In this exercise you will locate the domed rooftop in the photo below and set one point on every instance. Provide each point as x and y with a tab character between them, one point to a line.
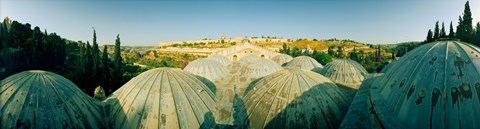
207	68
259	68
222	59
294	98
164	98
41	99
434	86
345	72
249	58
304	63
282	59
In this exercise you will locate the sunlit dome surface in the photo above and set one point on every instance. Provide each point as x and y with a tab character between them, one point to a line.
259	68
207	68
282	59
222	59
345	72
304	63
163	98
436	85
249	58
41	99
294	98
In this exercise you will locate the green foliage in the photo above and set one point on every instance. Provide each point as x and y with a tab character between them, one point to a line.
296	52
465	29
477	34
321	57
117	69
436	32
451	33
429	37
442	31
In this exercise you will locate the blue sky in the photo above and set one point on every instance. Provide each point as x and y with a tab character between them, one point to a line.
148	22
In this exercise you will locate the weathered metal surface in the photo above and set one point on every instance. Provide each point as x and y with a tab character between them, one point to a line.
345	72
304	63
281	59
249	59
294	98
207	68
359	115
163	98
222	59
434	86
41	99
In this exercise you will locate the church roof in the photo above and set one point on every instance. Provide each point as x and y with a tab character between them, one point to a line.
345	72
207	68
294	98
222	59
41	99
282	59
304	63
163	98
433	86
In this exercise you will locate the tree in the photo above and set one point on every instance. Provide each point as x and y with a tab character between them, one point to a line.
442	31
477	34
321	57
106	70
330	51
95	60
465	28
429	37
296	52
118	73
451	33
436	33
340	52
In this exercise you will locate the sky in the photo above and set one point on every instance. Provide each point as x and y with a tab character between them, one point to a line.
149	22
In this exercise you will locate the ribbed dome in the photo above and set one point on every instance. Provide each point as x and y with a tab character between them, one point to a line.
304	63
259	68
436	85
282	59
207	68
41	99
294	98
249	58
222	59
164	98
345	72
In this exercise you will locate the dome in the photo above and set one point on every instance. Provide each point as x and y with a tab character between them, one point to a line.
249	58
434	86
41	99
163	98
294	98
258	68
345	72
207	68
304	63
222	59
282	58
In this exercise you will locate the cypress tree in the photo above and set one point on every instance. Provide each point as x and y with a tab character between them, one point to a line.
429	36
460	29
118	74
477	34
451	33
95	59
436	33
88	67
442	31
465	28
106	70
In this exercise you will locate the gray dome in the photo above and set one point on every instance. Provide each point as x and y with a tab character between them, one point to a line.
41	99
222	59
434	86
345	72
282	59
294	98
259	68
304	63
164	98
249	58
207	68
